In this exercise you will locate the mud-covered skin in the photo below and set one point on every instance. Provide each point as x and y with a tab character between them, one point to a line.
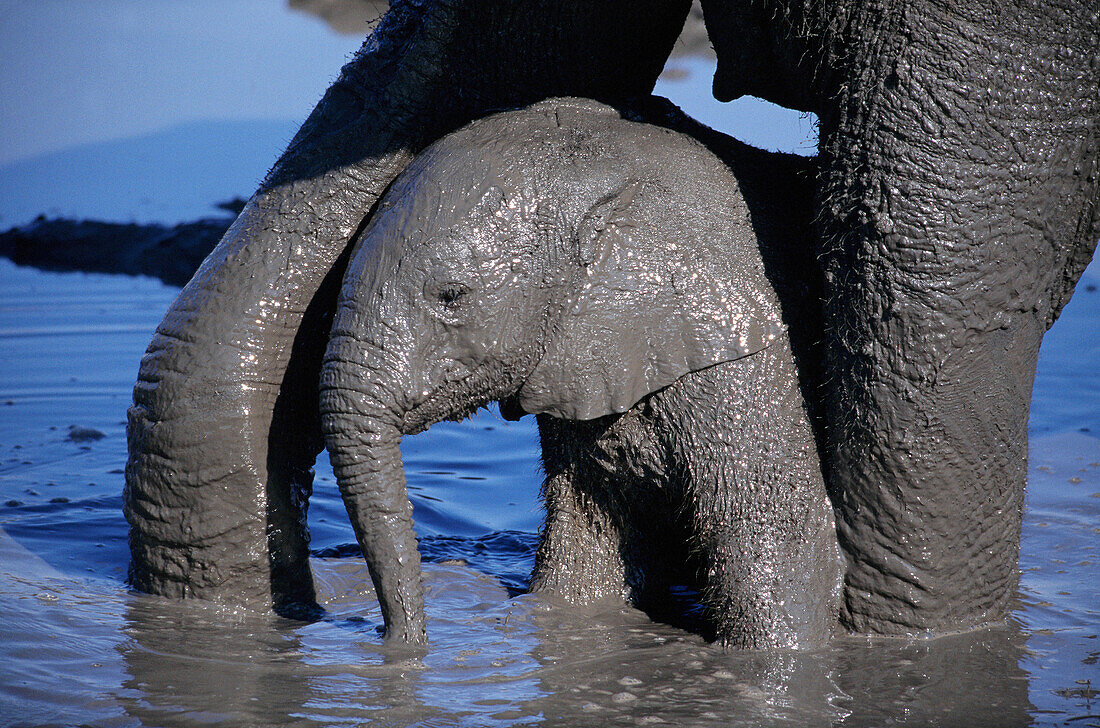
712	483
550	258
959	204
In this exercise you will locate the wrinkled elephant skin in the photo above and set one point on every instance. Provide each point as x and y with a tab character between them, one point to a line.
959	202
223	431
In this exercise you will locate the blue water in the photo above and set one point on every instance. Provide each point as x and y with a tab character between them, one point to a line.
157	110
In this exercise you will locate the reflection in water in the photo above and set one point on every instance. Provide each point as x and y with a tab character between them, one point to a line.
192	663
618	668
974	678
621	669
492	661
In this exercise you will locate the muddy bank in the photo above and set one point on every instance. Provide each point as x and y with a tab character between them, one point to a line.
169	253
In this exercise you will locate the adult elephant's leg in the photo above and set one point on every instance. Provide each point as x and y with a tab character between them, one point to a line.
223	431
957	207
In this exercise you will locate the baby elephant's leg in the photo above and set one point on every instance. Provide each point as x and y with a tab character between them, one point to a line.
762	517
580	553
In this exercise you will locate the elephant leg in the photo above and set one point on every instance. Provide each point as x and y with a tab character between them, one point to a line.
763	523
958	203
580	555
952	228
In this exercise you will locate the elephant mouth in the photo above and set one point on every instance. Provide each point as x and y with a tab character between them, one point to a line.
511	409
457	399
436	409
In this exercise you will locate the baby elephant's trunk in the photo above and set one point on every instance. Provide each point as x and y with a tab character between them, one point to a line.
362	439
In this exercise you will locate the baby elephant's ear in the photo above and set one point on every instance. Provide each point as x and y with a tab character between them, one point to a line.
655	301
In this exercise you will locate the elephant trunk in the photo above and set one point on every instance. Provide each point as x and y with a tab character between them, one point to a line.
372	483
223	431
362	430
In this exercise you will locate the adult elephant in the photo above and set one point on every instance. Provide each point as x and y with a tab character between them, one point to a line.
956	208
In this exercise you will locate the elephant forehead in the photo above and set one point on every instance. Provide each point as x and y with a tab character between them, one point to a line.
488	255
435	200
472	217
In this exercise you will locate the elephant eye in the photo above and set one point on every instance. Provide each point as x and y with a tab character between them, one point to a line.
447	299
450	293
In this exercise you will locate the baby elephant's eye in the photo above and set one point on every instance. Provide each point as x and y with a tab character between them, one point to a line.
449	293
447	300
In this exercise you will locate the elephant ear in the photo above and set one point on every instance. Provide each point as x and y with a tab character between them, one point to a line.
649	307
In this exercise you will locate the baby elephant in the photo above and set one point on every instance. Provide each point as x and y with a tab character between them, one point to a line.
604	275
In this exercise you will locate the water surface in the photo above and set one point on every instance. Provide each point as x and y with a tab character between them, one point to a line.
77	647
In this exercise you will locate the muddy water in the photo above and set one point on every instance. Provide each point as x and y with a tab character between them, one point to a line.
77	648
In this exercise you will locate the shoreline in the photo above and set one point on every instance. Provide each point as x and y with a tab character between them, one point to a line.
170	253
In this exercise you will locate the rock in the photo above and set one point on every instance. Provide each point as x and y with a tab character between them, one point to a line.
84	434
171	254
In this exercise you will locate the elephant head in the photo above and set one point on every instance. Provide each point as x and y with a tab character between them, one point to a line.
538	257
